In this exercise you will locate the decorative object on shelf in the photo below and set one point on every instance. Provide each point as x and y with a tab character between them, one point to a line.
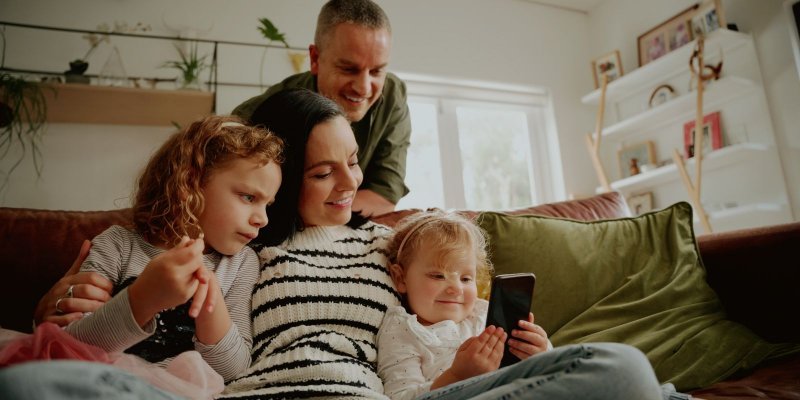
708	18
77	67
23	115
113	71
190	65
272	34
643	152
712	135
660	95
609	65
792	8
710	73
298	59
640	203
666	36
634	167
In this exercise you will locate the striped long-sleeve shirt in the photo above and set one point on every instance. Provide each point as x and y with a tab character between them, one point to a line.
121	255
317	309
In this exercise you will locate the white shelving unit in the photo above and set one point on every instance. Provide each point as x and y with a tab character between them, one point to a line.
743	184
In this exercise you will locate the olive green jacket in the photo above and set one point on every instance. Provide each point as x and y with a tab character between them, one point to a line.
383	135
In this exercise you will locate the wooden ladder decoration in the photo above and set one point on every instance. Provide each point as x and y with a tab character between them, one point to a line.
694	189
593	144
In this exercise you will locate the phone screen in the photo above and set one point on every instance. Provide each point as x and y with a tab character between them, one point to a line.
509	302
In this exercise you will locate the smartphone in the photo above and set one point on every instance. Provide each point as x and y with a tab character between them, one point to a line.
509	302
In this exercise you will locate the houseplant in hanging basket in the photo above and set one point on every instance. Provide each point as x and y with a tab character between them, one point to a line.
190	65
23	115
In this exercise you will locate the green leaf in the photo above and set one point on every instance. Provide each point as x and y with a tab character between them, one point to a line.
270	31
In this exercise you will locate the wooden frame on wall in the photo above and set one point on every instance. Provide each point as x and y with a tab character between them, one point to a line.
609	65
667	36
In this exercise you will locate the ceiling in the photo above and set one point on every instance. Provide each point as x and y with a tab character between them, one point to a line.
574	5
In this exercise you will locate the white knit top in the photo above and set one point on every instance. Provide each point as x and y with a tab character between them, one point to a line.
317	308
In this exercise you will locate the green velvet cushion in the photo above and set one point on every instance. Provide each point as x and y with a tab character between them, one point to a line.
633	280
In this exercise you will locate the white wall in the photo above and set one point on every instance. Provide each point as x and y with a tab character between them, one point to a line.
508	41
616	24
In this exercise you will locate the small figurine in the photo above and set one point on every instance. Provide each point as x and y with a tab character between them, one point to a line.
634	167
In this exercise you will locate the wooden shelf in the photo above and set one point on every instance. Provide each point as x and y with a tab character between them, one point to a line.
92	104
716	159
681	108
667	66
748	215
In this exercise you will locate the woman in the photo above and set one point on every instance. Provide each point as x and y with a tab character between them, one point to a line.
324	286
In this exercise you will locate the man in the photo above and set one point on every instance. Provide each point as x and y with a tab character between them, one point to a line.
349	58
348	64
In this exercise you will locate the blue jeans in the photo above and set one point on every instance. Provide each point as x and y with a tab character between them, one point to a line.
588	371
67	379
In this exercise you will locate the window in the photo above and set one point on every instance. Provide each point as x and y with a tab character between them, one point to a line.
480	146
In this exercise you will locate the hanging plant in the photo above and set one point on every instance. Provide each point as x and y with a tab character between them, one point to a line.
271	33
23	115
190	65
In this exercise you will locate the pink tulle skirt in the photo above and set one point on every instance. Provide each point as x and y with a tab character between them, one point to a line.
186	375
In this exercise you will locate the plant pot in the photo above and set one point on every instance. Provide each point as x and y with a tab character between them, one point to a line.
75	72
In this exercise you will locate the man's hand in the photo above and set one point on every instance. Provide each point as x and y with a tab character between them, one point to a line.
90	290
370	204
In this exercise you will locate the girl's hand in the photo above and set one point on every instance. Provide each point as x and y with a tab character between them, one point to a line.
170	279
531	339
479	354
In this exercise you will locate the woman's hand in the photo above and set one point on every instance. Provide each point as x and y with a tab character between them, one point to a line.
477	355
531	339
89	292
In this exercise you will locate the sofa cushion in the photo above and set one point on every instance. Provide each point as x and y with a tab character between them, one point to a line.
633	280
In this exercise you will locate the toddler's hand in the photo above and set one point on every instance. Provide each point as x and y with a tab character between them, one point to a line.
479	354
528	341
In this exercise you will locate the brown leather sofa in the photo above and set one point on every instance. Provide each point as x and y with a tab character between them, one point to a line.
755	272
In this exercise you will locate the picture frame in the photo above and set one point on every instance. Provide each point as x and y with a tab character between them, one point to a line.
660	95
792	8
609	65
640	203
644	153
667	36
712	135
708	18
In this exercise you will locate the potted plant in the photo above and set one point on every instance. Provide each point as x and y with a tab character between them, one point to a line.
271	33
190	65
78	66
23	115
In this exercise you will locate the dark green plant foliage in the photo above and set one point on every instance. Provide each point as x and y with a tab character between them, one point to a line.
27	111
190	64
270	31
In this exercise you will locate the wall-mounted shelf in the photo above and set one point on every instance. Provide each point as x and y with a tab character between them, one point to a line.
91	104
717	159
681	108
665	67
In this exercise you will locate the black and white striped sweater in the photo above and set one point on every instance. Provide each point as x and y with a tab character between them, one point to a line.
317	308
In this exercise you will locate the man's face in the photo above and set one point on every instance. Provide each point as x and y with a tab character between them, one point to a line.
350	66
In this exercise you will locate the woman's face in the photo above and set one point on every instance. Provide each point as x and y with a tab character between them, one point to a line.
331	174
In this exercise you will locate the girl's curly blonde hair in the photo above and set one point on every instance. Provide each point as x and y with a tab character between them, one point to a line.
450	233
169	196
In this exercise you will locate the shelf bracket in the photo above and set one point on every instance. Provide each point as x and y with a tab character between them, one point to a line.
593	144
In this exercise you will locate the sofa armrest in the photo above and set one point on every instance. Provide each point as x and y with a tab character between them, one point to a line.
38	248
756	273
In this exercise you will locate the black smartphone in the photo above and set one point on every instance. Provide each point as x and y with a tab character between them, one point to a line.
509	302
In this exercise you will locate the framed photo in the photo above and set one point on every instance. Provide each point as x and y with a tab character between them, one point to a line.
708	18
609	65
712	135
641	203
667	36
661	95
793	11
631	158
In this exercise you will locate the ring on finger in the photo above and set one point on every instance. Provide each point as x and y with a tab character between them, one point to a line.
69	291
58	310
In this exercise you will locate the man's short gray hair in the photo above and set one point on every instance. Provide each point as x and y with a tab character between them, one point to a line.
360	12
